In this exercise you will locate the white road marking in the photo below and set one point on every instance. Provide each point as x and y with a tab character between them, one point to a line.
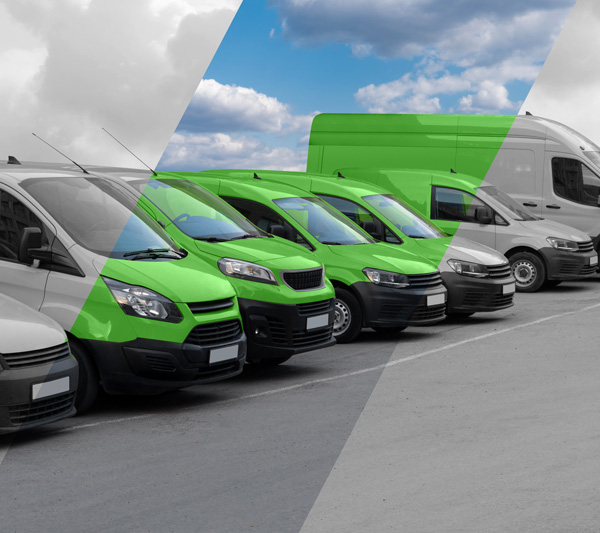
383	366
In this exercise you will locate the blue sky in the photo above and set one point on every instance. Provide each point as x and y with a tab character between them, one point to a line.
283	61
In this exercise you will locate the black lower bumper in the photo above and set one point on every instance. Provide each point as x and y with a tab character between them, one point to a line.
146	366
569	265
388	307
279	330
475	295
37	395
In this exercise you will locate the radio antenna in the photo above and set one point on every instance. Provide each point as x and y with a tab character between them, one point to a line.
150	169
66	157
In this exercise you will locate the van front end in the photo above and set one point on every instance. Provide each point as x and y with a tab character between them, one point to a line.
567	260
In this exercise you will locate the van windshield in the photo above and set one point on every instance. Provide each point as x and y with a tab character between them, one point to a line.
518	211
323	222
101	218
406	220
195	211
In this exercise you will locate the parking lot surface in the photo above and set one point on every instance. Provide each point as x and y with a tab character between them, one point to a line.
483	424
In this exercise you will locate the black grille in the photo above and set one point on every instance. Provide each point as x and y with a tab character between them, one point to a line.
499	271
412	314
207	307
299	338
37	357
587	246
478	299
301	280
315	308
26	413
576	269
160	363
425	280
215	333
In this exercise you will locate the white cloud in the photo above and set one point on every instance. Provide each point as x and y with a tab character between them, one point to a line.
220	150
70	67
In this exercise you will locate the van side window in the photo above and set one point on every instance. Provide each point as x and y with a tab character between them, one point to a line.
574	181
456	205
14	218
264	217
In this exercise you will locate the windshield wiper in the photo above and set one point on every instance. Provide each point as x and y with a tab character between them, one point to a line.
154	252
247	236
211	239
332	243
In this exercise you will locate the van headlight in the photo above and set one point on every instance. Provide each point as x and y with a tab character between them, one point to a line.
387	279
244	270
563	244
142	302
464	268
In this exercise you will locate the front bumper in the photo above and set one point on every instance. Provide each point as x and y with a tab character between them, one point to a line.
279	330
147	366
53	386
387	307
475	295
569	265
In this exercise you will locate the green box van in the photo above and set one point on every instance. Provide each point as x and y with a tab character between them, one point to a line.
141	315
285	299
478	278
376	284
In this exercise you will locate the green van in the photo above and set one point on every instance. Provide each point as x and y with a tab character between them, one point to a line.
376	285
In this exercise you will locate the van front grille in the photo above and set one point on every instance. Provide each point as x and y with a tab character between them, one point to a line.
26	413
298	338
412	314
207	307
500	271
215	333
302	280
584	247
315	308
477	299
425	281
37	357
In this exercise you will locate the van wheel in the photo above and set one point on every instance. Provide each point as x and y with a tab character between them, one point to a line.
89	380
529	271
348	316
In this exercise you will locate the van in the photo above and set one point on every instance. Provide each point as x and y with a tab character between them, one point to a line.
546	166
285	299
376	285
478	278
142	316
38	374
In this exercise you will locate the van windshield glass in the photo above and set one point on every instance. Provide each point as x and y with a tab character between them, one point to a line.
323	222
101	217
406	220
518	211
195	211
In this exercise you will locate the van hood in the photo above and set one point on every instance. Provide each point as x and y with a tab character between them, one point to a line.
185	280
274	253
383	256
25	329
549	228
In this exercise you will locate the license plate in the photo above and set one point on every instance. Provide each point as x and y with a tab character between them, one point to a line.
508	289
436	299
593	260
50	388
219	355
313	322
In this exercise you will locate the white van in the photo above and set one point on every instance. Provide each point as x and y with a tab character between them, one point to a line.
38	374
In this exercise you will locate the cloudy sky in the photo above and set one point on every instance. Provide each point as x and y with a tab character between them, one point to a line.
70	67
283	61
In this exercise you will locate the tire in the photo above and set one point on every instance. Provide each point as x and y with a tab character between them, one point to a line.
348	316
529	271
89	380
274	361
388	330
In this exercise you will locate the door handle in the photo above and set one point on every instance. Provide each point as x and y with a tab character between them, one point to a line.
553	206
529	204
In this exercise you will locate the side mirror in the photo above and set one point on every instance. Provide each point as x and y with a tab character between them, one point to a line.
483	215
371	228
30	247
278	231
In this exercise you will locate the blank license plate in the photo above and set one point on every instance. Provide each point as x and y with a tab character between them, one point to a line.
223	354
436	299
508	289
593	260
313	322
50	388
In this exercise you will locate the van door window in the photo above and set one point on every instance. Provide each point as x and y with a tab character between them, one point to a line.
14	218
574	181
456	205
265	218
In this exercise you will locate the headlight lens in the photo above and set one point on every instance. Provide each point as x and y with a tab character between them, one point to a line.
387	279
464	268
563	244
244	270
142	302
